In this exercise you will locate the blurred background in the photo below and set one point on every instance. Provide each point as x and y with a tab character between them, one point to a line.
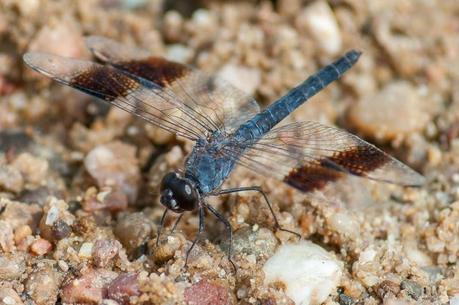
403	95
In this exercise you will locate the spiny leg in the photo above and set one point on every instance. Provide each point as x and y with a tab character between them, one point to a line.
198	235
161	225
258	189
229	232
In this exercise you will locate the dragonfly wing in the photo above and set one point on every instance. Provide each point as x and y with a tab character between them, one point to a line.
222	105
309	156
143	98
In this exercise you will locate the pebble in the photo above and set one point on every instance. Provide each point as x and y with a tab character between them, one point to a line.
243	78
133	231
392	112
104	250
386	288
207	293
22	233
123	288
85	250
454	300
56	221
62	38
412	288
261	242
11	266
115	164
6	237
88	288
166	249
11	179
106	199
40	247
18	214
343	223
34	170
318	19
308	272
14	140
43	285
9	297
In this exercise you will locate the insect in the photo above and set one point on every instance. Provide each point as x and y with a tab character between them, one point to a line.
226	125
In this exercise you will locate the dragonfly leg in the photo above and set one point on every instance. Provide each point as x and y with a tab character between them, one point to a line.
176	222
260	190
161	225
198	235
229	232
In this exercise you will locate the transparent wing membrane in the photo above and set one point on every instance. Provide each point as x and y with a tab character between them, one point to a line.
215	102
309	156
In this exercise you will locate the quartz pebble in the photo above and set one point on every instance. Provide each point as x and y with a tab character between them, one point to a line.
11	179
261	242
115	164
104	250
133	230
107	199
318	19
18	214
243	78
43	285
9	297
11	266
6	237
34	170
62	38
392	112
308	272
56	221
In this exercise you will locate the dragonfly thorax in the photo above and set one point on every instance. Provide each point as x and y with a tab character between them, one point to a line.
178	193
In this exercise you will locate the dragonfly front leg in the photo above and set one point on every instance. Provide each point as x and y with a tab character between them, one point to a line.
260	190
229	231
160	227
198	235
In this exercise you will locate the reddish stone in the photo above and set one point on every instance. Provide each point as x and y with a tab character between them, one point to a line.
104	250
123	287
89	288
206	293
40	246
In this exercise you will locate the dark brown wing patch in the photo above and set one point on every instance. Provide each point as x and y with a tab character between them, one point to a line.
311	177
104	82
155	69
359	161
315	175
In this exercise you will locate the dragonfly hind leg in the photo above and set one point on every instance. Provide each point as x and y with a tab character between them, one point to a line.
260	190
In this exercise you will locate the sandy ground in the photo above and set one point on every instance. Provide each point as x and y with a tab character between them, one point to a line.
79	181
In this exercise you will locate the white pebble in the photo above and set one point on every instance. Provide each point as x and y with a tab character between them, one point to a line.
52	216
85	250
308	272
319	20
454	300
344	223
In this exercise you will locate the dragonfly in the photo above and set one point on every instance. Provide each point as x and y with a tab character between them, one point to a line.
227	127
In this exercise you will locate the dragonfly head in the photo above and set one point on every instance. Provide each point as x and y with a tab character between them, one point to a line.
178	193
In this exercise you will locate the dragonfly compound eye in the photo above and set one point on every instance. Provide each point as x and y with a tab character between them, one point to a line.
178	194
